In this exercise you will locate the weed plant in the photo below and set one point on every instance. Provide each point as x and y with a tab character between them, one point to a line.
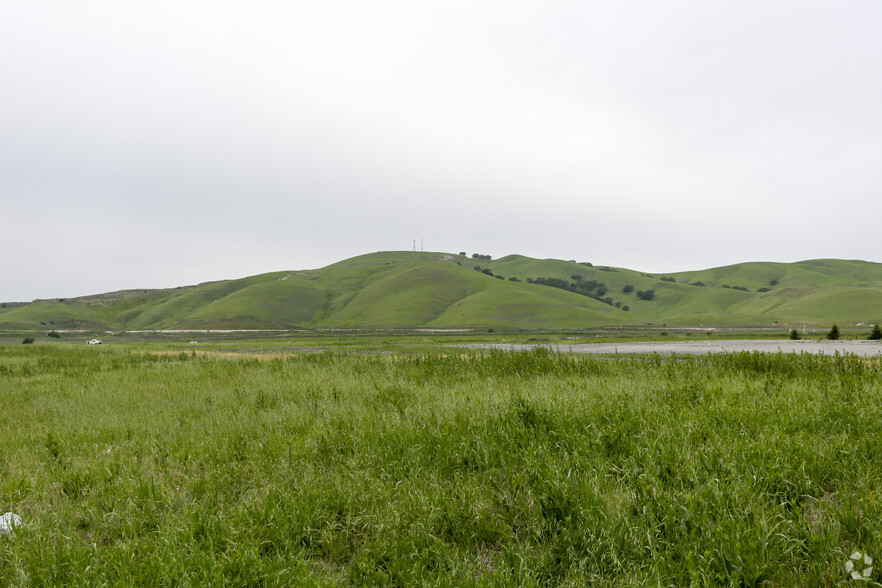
502	468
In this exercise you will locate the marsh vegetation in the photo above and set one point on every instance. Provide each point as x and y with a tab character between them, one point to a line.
489	468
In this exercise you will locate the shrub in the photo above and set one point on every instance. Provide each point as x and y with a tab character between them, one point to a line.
626	308
667	279
645	295
698	283
628	288
513	279
876	334
763	289
833	335
773	282
27	341
794	335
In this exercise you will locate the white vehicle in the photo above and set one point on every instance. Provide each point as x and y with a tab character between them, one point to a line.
94	342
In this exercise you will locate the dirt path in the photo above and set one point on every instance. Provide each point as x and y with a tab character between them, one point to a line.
862	348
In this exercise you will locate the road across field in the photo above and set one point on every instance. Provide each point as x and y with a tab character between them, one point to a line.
862	348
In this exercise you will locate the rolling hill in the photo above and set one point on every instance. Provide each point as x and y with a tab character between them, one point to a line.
442	290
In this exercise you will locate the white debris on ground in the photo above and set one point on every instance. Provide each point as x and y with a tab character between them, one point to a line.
9	522
852	566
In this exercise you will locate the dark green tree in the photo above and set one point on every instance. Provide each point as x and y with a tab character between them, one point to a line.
833	335
794	334
876	334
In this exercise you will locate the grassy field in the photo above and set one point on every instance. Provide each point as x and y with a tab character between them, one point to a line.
137	466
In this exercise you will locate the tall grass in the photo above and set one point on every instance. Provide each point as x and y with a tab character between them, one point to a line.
526	468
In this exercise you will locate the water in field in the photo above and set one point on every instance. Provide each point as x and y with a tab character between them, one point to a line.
861	348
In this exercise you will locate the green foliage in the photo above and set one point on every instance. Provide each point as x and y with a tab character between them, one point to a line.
645	294
833	333
876	333
794	335
498	468
53	334
667	279
27	341
627	288
590	288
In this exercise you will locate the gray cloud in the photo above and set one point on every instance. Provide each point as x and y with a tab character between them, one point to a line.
168	143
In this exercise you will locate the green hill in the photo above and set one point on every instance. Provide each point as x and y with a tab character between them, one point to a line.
442	290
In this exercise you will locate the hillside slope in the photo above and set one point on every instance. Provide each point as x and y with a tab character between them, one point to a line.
442	290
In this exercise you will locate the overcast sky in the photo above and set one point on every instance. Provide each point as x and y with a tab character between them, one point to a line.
165	143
